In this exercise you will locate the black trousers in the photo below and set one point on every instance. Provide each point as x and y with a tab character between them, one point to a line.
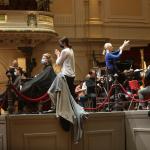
70	82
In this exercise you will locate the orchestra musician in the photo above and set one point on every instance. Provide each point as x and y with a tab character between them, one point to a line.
111	57
144	93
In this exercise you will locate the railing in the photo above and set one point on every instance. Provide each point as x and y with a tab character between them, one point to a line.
40	21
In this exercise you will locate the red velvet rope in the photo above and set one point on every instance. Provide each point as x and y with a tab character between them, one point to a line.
132	97
106	101
44	97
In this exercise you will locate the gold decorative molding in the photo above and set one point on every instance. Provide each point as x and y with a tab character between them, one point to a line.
95	21
3	18
44	19
26	21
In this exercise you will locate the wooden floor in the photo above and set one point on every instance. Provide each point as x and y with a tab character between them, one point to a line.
102	131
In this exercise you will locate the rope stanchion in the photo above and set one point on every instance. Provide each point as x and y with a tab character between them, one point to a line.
132	97
106	101
44	97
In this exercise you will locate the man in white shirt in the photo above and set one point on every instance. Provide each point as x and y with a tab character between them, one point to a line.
65	58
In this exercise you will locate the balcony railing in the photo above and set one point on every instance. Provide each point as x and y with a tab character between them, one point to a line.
25	28
40	21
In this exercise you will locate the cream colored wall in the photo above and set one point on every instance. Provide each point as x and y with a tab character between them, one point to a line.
59	8
128	19
111	19
126	8
22	62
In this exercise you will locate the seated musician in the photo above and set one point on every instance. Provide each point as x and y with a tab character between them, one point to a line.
15	73
91	87
80	90
144	93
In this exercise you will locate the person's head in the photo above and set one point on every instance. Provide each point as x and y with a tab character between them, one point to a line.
81	83
46	59
87	77
64	42
92	73
108	46
15	63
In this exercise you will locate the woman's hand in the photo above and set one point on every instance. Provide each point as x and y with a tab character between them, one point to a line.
57	52
126	43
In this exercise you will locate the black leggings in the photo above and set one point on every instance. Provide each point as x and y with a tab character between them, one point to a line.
70	82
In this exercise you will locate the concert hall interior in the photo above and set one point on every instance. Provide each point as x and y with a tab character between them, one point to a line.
74	74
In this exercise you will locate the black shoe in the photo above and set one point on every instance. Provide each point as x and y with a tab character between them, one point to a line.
140	108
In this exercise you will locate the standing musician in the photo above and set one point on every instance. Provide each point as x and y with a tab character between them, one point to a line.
65	58
111	57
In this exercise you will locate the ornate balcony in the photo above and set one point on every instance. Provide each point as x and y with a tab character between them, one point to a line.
26	27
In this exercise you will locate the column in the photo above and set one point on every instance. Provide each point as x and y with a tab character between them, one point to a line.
94	11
